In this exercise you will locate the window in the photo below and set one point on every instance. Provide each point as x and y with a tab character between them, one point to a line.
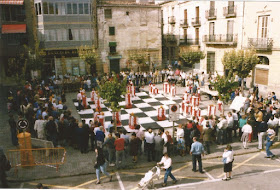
108	13
82	34
39	9
36	9
86	8
61	8
51	8
70	36
45	8
111	31
75	8
113	47
69	8
75	34
230	30
81	8
56	8
263	22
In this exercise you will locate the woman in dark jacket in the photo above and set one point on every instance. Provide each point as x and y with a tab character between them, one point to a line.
100	164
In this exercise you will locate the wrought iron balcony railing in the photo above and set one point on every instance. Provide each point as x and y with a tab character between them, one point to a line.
220	39
230	11
189	42
211	14
262	44
171	20
184	23
196	21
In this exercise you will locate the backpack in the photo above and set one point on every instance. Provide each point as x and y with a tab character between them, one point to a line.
5	164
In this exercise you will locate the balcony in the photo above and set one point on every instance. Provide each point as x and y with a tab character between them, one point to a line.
220	39
169	39
196	22
211	14
190	42
230	11
261	44
184	23
171	20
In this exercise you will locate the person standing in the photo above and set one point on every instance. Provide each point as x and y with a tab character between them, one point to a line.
51	128
109	143
261	128
100	164
119	146
196	151
150	143
13	128
246	130
229	127
228	160
166	161
159	142
270	138
134	141
207	137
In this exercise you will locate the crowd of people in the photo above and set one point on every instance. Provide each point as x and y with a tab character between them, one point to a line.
43	105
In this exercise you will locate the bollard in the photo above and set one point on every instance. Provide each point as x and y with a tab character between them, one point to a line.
26	157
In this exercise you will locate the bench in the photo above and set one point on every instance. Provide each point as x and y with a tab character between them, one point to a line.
40	143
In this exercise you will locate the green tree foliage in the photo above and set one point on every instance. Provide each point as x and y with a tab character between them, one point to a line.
111	90
17	68
240	62
191	57
225	85
89	55
139	56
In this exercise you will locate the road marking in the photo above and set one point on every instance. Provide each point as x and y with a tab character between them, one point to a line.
262	165
120	181
270	171
210	176
91	181
21	185
191	184
242	163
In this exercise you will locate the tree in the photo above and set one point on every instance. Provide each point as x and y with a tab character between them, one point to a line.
89	55
139	56
111	91
17	68
240	63
191	57
225	85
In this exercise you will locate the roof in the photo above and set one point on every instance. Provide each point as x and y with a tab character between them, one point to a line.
13	28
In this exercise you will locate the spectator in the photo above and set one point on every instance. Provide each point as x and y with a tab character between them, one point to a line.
150	143
100	165
134	141
119	146
228	160
246	129
196	151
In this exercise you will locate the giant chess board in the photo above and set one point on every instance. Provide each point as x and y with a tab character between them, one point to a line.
144	107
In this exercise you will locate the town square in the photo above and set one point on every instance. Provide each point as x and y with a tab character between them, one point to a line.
139	94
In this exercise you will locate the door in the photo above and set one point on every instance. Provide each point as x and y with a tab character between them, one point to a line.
212	9
210	63
185	16
115	65
231	7
196	40
229	30
212	31
186	35
197	15
262	31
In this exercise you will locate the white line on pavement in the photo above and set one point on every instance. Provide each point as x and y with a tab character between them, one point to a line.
209	175
191	184
120	181
270	171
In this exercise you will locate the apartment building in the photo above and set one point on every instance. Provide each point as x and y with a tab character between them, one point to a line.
128	26
261	32
62	27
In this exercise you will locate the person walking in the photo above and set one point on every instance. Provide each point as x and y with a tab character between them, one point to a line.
270	138
228	160
246	130
196	151
166	163
100	164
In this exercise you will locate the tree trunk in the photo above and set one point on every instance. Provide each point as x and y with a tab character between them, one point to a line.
242	86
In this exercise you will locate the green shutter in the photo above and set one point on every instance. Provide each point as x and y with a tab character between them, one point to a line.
112	44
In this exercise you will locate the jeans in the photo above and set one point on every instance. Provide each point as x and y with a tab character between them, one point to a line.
268	145
119	157
261	138
103	170
197	158
168	173
219	136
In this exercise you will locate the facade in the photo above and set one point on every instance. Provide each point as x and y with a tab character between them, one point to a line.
261	32
62	27
128	27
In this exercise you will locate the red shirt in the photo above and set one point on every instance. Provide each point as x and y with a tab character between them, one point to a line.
119	144
189	126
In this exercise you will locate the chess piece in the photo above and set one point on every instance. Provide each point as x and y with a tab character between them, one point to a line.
98	104
166	88
133	121
196	112
117	117
96	115
128	101
173	91
92	95
195	101
84	99
161	114
220	105
211	110
154	90
101	119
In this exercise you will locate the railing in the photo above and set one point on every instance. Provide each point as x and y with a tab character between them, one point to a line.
171	20
260	43
211	14
196	21
184	23
230	11
169	38
52	157
227	39
189	42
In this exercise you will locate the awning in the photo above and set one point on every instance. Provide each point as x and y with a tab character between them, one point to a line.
13	28
112	44
11	2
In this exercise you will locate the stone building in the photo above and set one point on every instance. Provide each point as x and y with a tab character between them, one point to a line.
126	28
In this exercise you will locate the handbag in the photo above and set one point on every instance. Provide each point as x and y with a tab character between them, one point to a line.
224	160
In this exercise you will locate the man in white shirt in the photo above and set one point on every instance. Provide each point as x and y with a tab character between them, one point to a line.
229	127
235	122
79	99
167	166
246	130
150	144
222	133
